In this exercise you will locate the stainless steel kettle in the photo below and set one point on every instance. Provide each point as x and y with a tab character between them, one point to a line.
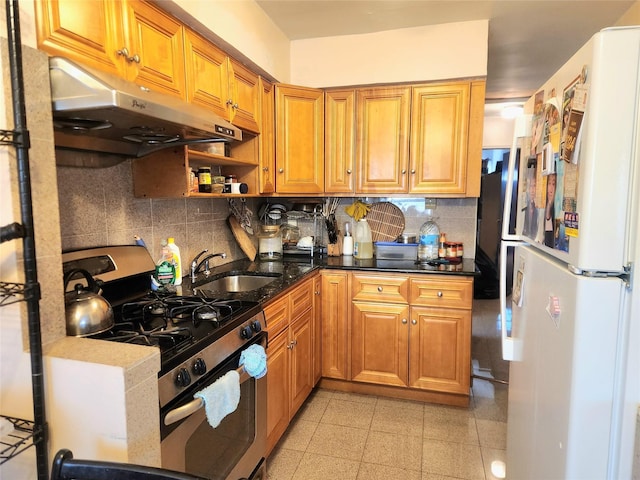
86	311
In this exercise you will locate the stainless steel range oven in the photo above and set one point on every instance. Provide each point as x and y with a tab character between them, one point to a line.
200	339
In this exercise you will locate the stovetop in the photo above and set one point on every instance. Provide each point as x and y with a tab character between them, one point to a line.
179	325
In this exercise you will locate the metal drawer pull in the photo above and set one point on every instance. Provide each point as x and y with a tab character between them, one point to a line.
379	289
196	404
439	294
404	320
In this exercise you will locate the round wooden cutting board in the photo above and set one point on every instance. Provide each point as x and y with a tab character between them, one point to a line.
242	238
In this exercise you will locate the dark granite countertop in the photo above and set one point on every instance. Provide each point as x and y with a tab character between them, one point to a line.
291	270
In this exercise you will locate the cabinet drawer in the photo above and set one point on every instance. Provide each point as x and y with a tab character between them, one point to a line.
276	315
301	298
457	293
380	288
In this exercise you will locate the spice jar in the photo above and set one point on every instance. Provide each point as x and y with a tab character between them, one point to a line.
460	250
452	251
204	179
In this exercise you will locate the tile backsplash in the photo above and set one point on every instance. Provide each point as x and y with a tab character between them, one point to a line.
97	207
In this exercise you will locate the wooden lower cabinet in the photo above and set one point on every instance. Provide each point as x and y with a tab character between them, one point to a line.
409	335
336	299
290	357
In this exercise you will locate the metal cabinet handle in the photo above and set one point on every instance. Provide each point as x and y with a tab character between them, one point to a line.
348	171
124	52
281	170
413	172
404	321
379	289
439	294
403	171
265	169
414	322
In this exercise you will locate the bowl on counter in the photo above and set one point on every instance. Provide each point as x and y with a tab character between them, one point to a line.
406	238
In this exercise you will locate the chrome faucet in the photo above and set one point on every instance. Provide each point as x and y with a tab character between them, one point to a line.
195	266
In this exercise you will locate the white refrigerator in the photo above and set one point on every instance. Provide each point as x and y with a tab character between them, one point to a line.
572	336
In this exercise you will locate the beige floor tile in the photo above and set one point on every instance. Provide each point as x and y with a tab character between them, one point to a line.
394	450
298	435
489	456
385	402
404	421
492	434
282	464
348	414
322	392
313	409
450	424
338	441
320	467
371	471
457	460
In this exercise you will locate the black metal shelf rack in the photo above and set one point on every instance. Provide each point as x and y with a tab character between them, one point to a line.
25	433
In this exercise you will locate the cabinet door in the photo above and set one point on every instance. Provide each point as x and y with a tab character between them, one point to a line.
339	141
299	139
301	363
336	299
156	40
442	292
267	139
382	139
440	349
439	135
317	329
245	97
89	32
379	343
277	388
207	74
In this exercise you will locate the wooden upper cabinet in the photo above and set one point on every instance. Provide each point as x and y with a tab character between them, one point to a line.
267	161
90	32
339	140
439	133
299	139
244	102
132	39
446	138
156	47
216	81
207	74
382	139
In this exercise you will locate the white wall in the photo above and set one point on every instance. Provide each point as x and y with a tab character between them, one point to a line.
435	52
497	132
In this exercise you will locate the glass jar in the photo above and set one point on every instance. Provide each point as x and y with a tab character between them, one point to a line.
204	179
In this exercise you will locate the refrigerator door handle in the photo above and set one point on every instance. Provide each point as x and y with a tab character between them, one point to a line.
522	126
511	347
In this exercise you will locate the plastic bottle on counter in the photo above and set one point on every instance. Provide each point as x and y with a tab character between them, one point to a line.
362	243
347	241
165	273
428	241
176	260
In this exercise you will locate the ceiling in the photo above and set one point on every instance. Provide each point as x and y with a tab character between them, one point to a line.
528	40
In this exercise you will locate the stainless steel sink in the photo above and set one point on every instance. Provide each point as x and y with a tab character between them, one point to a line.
239	283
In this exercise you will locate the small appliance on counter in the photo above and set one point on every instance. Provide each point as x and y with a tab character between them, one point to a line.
270	242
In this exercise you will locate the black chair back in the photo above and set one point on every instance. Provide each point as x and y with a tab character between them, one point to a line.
65	467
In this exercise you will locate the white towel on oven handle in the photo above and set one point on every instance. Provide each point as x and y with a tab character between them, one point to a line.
221	397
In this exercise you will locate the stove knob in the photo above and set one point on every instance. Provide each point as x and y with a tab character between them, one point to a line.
256	326
199	367
183	378
246	332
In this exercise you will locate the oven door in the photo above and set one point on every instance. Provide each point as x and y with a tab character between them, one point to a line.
235	449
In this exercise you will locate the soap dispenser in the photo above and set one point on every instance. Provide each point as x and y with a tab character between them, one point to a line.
347	241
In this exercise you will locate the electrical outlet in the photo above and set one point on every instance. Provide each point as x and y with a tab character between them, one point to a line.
430	203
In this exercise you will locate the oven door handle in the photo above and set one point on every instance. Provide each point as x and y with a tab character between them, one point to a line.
193	406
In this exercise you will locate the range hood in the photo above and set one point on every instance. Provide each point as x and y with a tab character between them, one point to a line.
97	112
